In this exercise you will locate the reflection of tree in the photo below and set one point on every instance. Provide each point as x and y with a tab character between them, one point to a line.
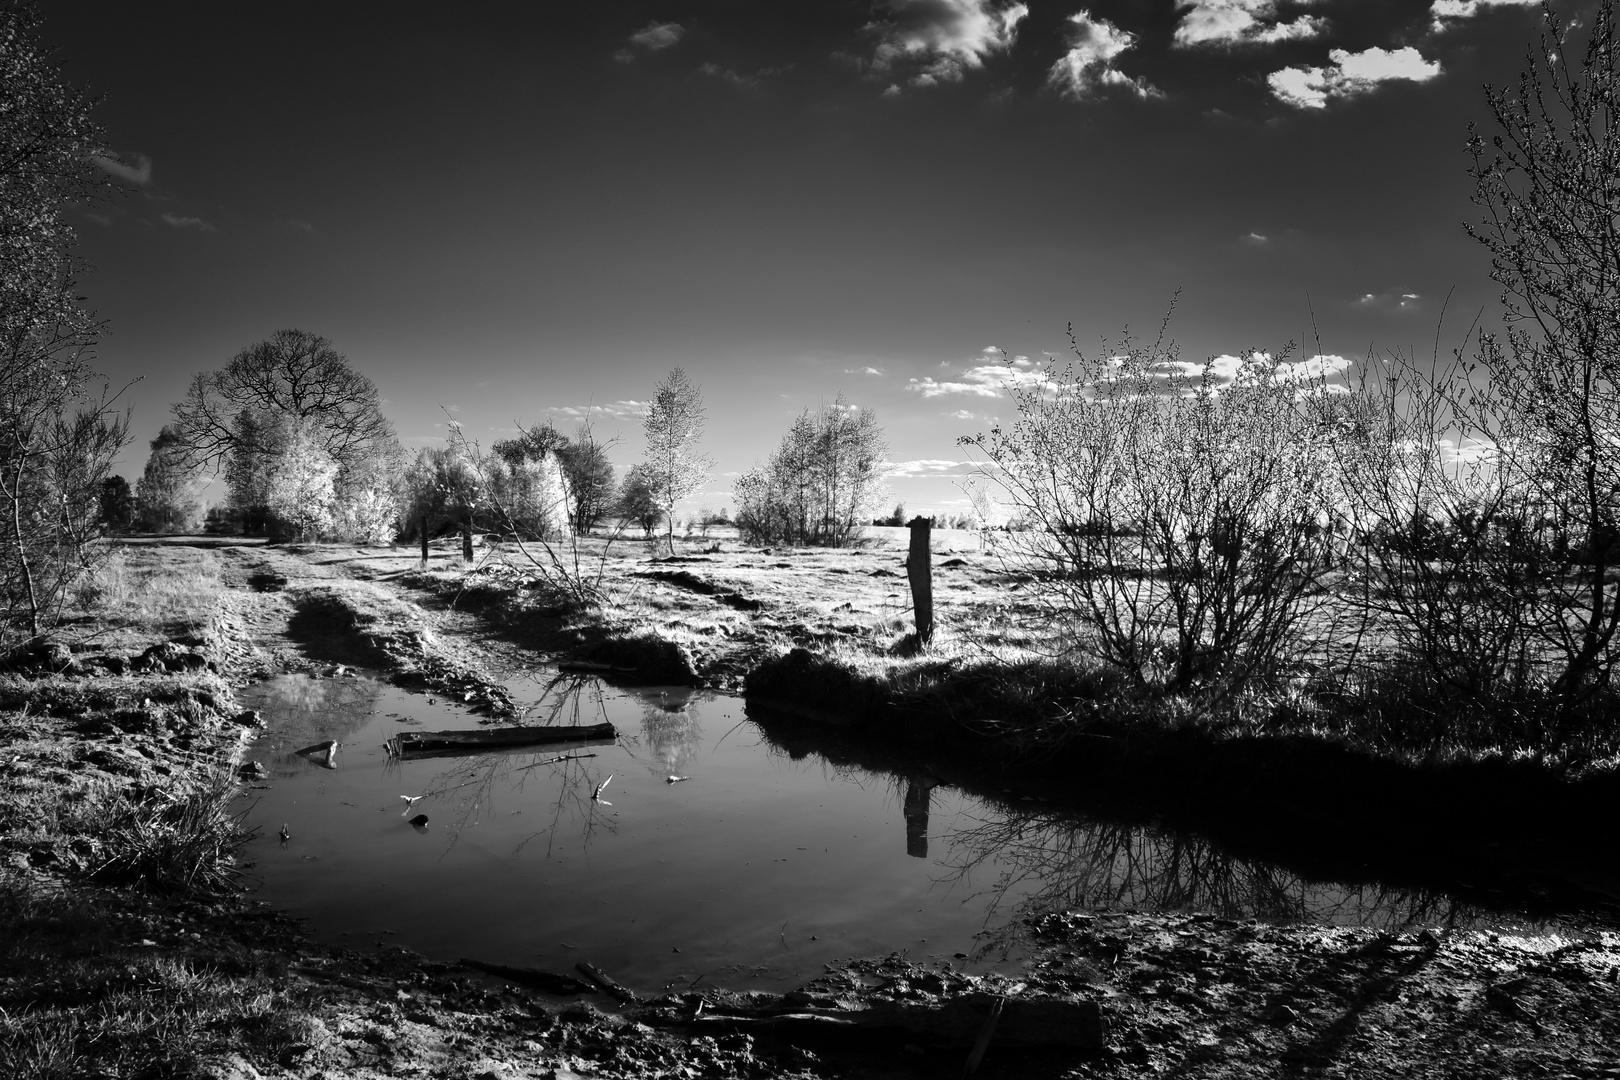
1047	862
671	729
304	710
468	788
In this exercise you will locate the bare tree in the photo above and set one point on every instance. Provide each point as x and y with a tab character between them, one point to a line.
1548	181
236	419
674	467
53	432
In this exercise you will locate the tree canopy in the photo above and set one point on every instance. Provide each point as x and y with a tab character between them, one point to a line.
293	374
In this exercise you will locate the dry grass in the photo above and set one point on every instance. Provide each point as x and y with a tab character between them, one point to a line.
86	993
146	592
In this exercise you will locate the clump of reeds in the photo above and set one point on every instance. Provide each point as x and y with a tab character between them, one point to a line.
169	843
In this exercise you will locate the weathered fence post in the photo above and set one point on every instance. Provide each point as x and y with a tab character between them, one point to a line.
424	541
921	575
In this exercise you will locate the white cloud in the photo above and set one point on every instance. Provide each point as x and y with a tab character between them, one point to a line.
1241	22
928	467
1349	75
863	371
947	37
655	37
1389	301
982	380
1255	239
963	414
1448	13
301	226
1088	67
1220	371
138	173
614	410
180	222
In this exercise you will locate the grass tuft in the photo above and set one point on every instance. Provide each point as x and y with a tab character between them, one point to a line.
168	844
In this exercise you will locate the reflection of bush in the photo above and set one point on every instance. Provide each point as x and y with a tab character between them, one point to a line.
1048	863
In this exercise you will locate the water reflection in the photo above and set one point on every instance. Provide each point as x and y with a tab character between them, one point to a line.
307	710
780	853
1043	862
914	808
671	731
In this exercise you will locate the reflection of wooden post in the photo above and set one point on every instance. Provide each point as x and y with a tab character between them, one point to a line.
915	809
921	575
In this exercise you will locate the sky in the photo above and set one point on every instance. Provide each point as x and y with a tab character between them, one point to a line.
505	214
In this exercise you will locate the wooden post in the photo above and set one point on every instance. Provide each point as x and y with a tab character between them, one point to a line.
920	573
424	540
466	539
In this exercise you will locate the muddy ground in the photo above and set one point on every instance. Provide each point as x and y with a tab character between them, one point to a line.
146	708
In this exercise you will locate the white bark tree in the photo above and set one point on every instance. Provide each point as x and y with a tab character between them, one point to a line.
674	467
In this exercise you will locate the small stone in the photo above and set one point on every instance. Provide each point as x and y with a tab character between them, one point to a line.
1281	1015
252	769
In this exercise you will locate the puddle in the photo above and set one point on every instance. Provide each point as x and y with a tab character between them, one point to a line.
751	871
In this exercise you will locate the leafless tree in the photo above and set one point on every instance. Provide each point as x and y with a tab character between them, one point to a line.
674	466
54	431
1548	181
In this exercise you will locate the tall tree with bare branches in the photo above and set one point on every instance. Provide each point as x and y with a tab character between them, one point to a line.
674	467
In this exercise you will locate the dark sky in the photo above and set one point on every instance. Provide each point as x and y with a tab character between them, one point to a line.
516	212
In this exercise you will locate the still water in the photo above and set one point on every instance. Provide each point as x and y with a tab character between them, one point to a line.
753	871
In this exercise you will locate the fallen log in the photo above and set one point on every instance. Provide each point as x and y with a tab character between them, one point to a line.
606	982
437	743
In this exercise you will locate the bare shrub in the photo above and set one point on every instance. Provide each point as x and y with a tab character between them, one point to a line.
1168	507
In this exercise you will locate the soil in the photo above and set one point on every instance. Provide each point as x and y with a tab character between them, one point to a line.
1123	994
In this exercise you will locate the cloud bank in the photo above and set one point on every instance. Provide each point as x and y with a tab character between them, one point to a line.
1088	67
1445	14
1225	23
1349	75
947	38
